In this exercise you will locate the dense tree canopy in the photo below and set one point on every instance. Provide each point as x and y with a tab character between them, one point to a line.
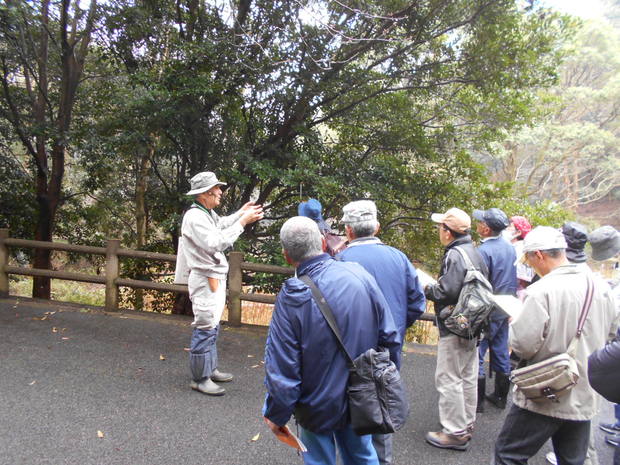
284	100
573	156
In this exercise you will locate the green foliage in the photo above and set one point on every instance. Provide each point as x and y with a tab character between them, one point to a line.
17	208
387	101
571	155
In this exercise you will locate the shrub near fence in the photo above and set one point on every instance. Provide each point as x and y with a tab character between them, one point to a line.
113	252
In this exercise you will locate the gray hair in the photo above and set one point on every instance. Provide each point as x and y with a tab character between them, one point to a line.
301	238
364	228
554	253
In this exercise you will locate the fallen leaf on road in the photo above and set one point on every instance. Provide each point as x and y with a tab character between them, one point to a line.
99	434
186	349
54	329
65	338
250	356
161	357
255	438
255	366
30	384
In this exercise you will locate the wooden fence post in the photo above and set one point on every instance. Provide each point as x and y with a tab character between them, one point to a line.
4	261
111	274
235	281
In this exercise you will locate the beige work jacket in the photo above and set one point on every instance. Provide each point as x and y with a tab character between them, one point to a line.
547	325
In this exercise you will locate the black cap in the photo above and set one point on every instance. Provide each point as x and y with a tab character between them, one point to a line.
493	217
576	237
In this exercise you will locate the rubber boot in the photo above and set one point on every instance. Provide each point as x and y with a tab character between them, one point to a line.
482	384
502	386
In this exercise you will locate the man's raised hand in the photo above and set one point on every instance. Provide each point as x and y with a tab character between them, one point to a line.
251	214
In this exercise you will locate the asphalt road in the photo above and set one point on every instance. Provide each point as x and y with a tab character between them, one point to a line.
70	374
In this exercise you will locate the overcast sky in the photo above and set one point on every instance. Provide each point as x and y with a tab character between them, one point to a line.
585	9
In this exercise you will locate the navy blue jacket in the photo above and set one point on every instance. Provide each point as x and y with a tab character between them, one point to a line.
305	368
604	370
499	257
396	276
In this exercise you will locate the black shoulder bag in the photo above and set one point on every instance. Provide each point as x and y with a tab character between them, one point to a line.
377	397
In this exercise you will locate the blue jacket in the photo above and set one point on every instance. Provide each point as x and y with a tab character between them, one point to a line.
396	277
500	257
305	368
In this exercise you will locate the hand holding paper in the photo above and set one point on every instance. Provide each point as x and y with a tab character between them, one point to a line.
425	278
509	305
284	434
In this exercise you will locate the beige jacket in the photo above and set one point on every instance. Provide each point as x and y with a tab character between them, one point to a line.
547	325
204	237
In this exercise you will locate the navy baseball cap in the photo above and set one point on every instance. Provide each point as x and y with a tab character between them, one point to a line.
493	217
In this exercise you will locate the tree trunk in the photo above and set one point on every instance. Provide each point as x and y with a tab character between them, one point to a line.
141	220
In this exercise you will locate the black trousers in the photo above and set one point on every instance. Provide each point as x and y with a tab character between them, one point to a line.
525	432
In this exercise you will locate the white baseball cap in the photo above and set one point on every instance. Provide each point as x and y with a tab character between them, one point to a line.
542	238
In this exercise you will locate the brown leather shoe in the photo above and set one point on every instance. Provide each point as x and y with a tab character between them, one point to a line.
448	441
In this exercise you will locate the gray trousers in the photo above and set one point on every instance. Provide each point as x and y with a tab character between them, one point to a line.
456	380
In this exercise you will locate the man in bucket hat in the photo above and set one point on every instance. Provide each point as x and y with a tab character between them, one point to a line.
201	265
605	242
547	324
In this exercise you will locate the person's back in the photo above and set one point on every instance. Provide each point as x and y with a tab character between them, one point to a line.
351	294
306	371
554	304
548	323
395	276
500	257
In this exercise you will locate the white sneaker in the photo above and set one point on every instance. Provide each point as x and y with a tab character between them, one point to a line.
208	387
551	458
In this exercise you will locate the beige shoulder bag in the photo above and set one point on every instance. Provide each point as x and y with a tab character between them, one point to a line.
550	379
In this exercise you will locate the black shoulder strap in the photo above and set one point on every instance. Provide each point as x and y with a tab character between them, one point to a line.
327	313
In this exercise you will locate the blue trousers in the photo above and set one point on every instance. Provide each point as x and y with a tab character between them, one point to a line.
496	340
354	449
203	352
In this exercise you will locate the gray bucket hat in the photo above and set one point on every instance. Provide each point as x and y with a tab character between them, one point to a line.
202	182
605	242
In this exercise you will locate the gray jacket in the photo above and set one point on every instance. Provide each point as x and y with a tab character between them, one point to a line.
204	237
547	325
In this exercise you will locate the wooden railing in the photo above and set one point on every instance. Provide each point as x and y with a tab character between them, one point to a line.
113	281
